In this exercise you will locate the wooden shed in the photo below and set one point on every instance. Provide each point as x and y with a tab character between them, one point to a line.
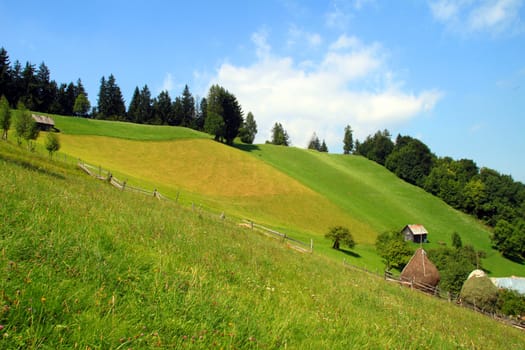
415	233
420	272
44	123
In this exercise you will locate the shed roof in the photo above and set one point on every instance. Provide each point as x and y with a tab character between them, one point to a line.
42	119
513	283
416	229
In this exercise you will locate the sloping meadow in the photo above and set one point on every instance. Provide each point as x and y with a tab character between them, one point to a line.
84	265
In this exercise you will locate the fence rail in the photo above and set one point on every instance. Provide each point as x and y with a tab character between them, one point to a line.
294	243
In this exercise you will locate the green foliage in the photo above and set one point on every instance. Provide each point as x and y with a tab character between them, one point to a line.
480	292
456	240
340	235
454	265
188	108
214	125
348	140
411	160
323	147
377	147
221	104
248	130
52	143
314	143
279	136
162	110
5	116
509	239
82	106
511	303
25	126
394	250
110	101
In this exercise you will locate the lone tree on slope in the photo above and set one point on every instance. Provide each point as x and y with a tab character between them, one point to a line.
340	234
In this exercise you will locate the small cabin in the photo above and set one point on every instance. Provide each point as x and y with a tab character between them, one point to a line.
415	233
44	123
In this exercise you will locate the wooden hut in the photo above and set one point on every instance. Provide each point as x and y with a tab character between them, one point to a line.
44	123
420	272
415	233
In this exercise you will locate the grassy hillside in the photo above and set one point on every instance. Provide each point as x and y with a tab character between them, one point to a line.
373	195
300	192
86	266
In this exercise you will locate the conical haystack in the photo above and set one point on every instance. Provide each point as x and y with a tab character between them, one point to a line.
421	272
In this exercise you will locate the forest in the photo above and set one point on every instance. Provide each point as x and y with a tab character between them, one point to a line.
493	198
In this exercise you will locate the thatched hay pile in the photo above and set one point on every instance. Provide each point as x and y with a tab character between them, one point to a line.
420	272
479	291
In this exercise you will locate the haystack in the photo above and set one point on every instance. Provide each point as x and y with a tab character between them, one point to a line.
420	272
479	291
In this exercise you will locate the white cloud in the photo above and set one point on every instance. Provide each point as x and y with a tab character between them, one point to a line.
495	15
349	85
297	37
341	11
471	16
167	84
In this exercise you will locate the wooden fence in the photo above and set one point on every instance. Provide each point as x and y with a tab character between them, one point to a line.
292	242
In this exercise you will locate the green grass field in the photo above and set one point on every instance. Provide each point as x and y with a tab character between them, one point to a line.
296	191
85	266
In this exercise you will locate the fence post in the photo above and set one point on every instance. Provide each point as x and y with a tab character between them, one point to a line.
124	185
251	225
311	245
177	198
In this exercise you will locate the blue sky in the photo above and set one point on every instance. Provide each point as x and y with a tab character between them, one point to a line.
451	73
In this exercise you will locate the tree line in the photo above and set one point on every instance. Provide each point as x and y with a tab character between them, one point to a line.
219	113
484	193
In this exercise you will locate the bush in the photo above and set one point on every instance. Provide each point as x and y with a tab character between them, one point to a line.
511	303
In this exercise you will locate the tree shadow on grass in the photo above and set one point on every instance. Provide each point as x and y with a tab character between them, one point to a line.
349	252
246	147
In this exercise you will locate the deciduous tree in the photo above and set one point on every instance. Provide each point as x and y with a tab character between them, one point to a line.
5	116
52	143
25	126
394	250
82	106
340	235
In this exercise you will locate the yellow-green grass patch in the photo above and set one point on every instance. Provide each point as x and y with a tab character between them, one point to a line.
220	177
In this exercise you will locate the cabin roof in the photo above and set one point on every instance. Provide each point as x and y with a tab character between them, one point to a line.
42	119
416	229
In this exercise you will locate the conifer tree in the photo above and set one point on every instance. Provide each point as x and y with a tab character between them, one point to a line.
323	147
314	143
249	129
188	108
279	135
162	109
348	140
